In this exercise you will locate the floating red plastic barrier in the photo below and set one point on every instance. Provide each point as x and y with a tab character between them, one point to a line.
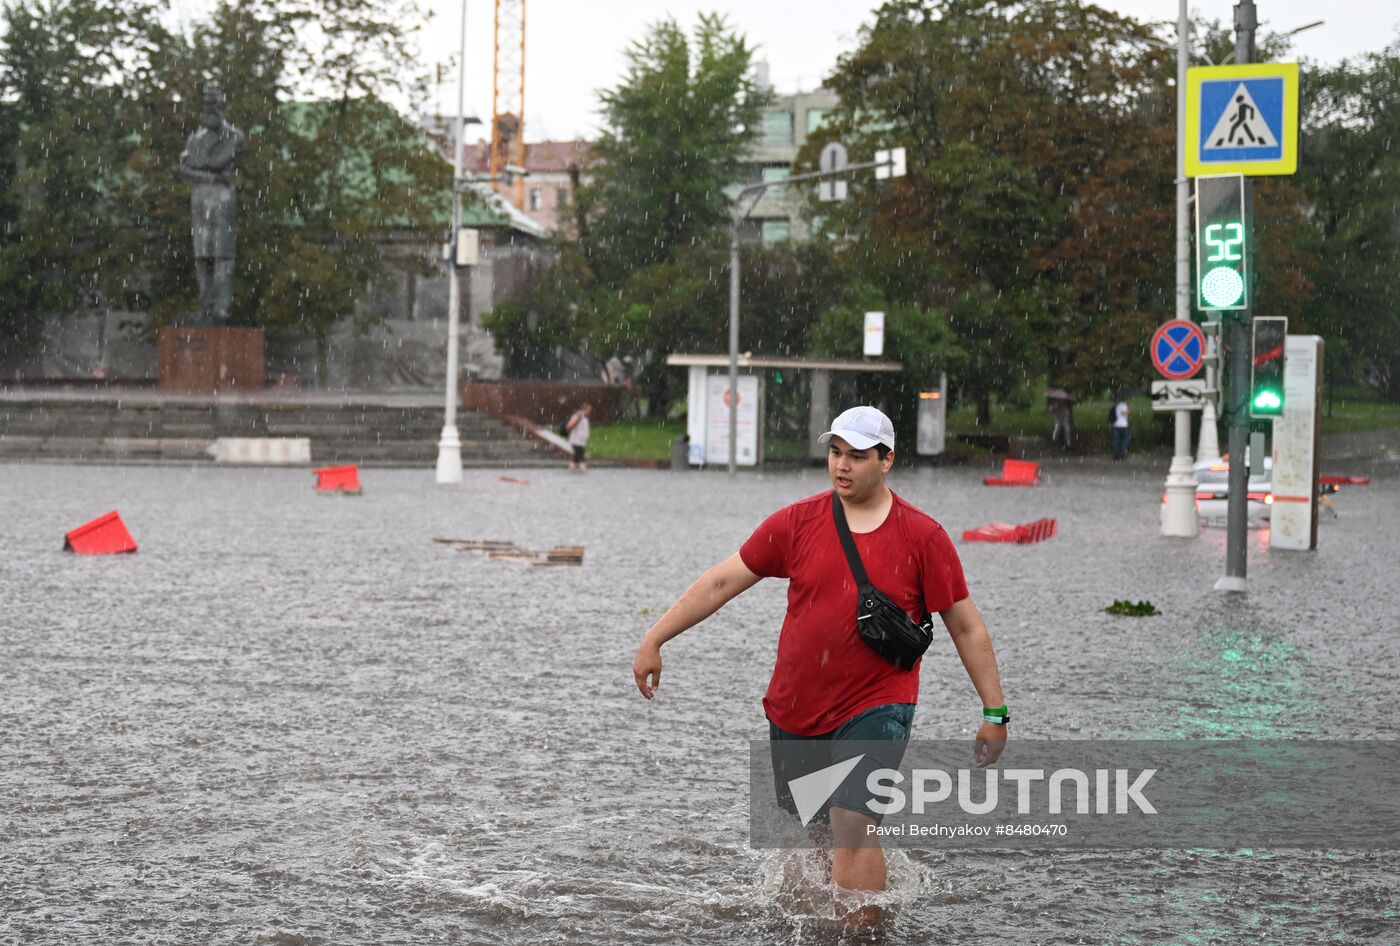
338	479
1344	480
1037	531
1015	473
992	532
105	535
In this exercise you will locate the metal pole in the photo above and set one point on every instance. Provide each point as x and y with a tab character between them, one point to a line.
1183	186
1208	447
733	341
1237	515
1181	518
449	461
738	213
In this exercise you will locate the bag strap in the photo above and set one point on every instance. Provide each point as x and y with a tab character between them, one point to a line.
848	543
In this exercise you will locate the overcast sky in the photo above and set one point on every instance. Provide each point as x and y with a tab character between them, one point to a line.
575	47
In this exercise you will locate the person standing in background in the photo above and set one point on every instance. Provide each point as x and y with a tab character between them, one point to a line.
578	431
1121	434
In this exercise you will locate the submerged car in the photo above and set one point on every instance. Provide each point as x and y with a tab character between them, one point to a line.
1213	494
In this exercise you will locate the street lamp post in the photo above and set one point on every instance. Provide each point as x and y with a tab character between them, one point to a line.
735	219
449	460
1181	517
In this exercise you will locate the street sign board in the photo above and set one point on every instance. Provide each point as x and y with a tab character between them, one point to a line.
1242	119
874	334
1178	395
1297	457
834	158
468	246
889	163
716	420
1178	348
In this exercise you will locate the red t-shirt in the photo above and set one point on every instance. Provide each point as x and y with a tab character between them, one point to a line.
825	674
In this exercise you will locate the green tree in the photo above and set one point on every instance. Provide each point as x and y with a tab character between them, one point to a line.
681	305
675	130
102	99
925	341
242	48
1037	208
329	168
545	315
1351	174
71	72
647	273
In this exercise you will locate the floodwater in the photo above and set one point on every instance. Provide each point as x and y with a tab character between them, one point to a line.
294	719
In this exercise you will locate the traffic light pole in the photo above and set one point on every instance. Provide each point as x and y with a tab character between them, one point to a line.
1238	349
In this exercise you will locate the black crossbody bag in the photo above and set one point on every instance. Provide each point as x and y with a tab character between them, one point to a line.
882	623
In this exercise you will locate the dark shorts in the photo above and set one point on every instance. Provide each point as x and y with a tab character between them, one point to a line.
879	735
579	453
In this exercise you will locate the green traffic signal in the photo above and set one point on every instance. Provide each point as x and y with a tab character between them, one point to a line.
1222	287
1222	263
1266	387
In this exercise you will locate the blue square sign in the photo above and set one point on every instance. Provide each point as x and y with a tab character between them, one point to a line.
1242	119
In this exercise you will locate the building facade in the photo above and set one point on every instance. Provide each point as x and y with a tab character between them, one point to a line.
786	123
556	171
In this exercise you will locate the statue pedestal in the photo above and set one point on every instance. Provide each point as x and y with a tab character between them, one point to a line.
210	360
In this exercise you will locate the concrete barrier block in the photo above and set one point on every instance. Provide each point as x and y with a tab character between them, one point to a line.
262	451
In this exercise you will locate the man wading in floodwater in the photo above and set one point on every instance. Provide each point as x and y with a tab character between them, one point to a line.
829	684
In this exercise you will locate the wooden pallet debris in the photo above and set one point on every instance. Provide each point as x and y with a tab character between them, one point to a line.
477	545
504	551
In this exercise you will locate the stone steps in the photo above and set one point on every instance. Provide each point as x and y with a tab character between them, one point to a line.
152	430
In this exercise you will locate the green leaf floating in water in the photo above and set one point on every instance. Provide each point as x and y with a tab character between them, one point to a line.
1140	609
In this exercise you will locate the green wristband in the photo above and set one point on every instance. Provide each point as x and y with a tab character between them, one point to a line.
996	714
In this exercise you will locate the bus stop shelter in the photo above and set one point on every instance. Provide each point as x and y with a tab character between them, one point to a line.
707	418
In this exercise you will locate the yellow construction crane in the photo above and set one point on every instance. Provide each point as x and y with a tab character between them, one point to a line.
508	102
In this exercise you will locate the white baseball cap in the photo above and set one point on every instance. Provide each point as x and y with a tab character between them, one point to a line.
862	428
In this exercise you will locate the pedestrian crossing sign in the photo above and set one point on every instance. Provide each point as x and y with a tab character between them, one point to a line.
1242	119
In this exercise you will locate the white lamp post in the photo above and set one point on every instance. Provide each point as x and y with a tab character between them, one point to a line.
449	460
1180	517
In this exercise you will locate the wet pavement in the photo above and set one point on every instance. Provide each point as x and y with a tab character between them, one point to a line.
294	719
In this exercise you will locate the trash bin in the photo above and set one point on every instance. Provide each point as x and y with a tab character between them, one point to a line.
680	452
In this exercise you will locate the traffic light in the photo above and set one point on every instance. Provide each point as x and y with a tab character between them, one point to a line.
1266	387
1222	250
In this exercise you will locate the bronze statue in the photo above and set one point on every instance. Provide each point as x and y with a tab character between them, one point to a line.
208	163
